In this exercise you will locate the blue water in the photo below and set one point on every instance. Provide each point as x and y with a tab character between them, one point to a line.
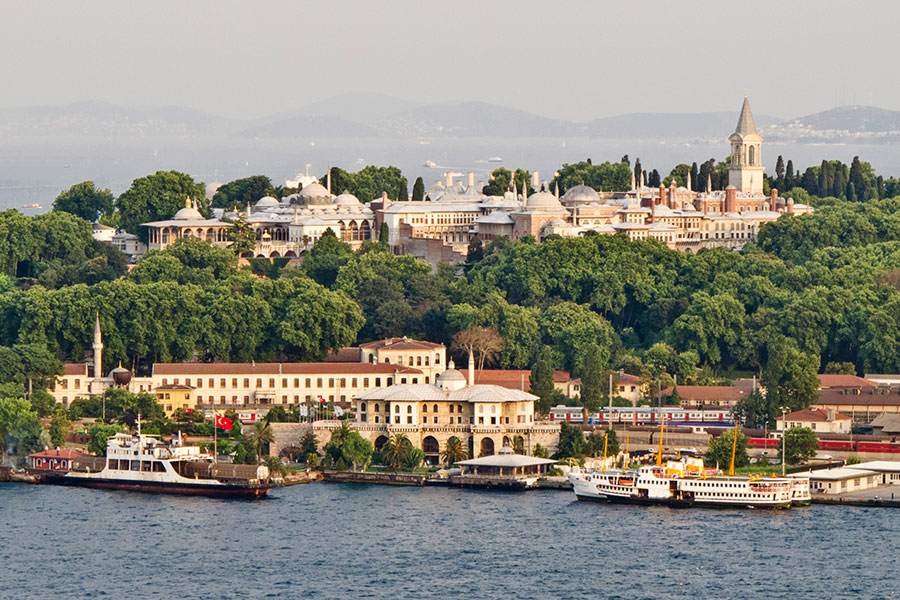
346	541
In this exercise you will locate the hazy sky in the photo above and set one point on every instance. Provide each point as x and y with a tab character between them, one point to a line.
572	60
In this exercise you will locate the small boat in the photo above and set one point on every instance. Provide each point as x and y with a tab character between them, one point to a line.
430	164
495	159
144	463
34	205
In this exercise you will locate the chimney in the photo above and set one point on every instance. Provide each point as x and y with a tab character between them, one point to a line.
535	180
790	205
671	203
449	176
471	179
471	367
730	199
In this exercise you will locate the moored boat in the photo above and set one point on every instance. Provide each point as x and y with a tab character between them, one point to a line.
143	463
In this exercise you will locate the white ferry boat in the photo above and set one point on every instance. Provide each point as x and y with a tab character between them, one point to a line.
144	463
800	495
674	485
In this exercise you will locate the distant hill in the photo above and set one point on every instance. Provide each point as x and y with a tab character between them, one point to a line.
101	120
377	115
669	125
859	124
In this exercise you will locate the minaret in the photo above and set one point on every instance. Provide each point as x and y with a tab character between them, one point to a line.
688	186
328	179
98	349
471	367
708	183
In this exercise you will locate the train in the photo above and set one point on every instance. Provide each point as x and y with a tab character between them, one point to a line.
646	415
881	446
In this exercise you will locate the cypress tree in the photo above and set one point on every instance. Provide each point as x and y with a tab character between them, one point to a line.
418	190
779	173
541	380
810	181
383	234
654	178
851	192
789	176
403	192
695	175
637	171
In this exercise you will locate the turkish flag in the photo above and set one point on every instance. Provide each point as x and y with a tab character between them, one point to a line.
223	422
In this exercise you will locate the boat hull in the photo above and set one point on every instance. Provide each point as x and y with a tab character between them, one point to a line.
643	501
155	487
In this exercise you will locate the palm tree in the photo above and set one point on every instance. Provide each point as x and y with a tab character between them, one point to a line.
258	435
340	435
396	450
275	465
454	451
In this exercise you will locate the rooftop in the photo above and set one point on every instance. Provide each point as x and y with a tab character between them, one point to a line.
429	393
828	380
319	368
400	343
506	459
813	414
59	453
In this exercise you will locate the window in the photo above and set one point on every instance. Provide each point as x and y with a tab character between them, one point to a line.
365	382
308	382
343	382
211	383
331	382
435	420
164	382
271	382
246	382
176	381
426	360
424	419
259	382
409	420
451	409
318	382
403	380
378	382
424	408
283	382
233	382
418	361
409	409
481	420
187	382
435	408
493	420
353	382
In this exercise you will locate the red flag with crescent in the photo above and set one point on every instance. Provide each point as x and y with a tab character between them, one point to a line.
223	422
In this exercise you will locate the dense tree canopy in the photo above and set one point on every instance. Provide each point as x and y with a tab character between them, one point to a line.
239	192
85	200
157	197
368	183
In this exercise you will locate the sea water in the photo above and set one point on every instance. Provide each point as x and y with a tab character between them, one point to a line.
325	540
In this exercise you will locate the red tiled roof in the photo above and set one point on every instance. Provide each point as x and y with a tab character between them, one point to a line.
75	369
350	354
812	414
828	380
709	392
513	379
320	368
632	379
61	453
400	343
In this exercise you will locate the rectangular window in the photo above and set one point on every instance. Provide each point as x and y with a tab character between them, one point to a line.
258	382
493	420
409	420
435	420
415	380
283	382
319	382
296	382
246	382
211	383
271	382
378	382
308	382
365	382
424	419
331	382
187	382
363	418
353	382
481	420
343	382
426	379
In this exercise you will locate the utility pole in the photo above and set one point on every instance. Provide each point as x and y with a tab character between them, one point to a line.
783	440
610	400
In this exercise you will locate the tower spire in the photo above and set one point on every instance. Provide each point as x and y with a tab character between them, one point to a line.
98	349
745	121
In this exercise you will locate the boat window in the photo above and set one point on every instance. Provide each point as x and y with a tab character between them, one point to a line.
145	465
135	465
159	467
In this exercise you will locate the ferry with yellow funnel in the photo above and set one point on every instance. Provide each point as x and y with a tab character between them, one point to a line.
686	482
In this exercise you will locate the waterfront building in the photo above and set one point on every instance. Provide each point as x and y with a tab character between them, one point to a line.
483	417
888	470
840	480
820	421
59	459
505	466
174	396
519	379
187	222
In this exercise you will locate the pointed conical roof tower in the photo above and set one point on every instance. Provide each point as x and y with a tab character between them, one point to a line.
746	170
98	349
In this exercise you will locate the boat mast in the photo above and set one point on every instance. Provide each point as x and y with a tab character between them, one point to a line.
733	448
662	425
605	443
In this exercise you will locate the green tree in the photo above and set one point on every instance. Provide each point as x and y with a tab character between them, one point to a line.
259	435
309	444
100	435
597	439
241	236
418	193
755	410
790	376
396	450
541	381
59	427
157	197
384	234
357	450
239	192
85	200
719	452
799	445
19	427
571	442
454	451
325	259
592	370
276	466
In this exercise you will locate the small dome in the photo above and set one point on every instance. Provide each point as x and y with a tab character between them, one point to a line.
506	450
267	202
451	375
347	199
120	375
188	213
543	202
314	190
581	193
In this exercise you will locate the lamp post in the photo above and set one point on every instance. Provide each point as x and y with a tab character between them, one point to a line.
784	410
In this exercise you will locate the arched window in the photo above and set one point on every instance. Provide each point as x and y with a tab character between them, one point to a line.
397	408
752	156
377	407
435	408
409	409
424	408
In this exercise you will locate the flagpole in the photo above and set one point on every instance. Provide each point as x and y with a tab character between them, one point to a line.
215	437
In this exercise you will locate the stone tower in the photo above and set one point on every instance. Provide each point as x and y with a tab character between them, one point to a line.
746	171
98	350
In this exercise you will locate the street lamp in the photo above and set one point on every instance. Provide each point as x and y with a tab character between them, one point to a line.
784	410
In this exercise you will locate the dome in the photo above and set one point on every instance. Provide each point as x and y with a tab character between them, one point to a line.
267	202
120	375
450	375
347	199
188	213
314	190
581	193
543	202
451	379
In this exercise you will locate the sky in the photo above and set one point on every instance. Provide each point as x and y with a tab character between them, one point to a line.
575	60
